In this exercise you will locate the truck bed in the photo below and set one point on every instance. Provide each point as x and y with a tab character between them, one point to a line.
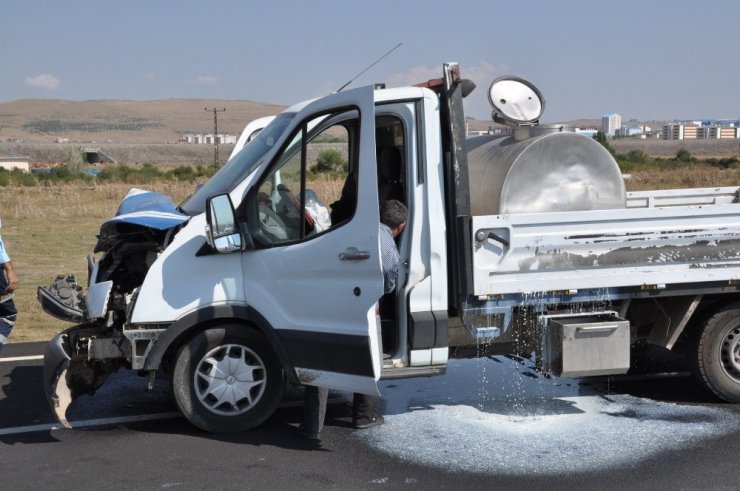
660	238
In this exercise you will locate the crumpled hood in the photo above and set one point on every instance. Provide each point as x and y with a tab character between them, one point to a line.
148	209
141	208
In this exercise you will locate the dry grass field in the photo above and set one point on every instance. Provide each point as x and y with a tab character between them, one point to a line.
696	176
51	230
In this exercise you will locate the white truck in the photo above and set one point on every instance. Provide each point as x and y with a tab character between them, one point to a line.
523	243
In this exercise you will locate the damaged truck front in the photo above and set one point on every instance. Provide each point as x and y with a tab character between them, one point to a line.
81	358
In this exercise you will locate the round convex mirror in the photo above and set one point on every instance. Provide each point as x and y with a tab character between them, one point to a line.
515	101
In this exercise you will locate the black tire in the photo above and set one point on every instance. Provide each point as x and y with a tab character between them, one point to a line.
227	379
716	355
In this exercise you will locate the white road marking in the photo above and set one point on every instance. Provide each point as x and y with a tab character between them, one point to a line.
22	358
123	419
89	422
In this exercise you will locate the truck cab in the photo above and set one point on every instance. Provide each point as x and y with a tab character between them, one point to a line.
272	270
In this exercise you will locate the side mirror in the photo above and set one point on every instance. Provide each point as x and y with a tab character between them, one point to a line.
222	232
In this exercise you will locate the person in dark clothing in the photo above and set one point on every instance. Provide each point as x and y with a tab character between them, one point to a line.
393	216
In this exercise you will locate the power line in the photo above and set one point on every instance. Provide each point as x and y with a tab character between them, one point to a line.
215	133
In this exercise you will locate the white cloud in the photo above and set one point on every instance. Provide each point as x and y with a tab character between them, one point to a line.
204	80
476	105
43	81
413	76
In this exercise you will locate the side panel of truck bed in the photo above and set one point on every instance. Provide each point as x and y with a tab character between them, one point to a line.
523	253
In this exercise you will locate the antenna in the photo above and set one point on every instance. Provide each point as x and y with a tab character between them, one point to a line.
370	66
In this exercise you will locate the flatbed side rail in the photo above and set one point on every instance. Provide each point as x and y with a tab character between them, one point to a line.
522	253
683	197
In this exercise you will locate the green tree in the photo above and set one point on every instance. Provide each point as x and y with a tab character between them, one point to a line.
600	137
75	158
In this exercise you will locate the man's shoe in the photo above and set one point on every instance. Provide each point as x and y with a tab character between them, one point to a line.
371	423
306	434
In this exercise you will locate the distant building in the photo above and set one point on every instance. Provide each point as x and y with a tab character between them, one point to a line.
589	132
11	163
704	130
208	138
715	132
610	123
680	131
633	130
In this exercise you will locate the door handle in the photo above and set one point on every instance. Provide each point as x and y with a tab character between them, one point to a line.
352	254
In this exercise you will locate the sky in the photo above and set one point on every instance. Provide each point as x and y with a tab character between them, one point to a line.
658	60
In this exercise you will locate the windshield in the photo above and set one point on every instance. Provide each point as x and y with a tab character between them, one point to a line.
239	167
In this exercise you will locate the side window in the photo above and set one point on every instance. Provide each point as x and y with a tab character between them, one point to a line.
390	152
309	180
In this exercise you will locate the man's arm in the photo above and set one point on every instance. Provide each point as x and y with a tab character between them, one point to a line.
11	276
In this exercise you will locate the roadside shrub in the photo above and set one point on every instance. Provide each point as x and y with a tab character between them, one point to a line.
637	156
184	173
148	173
149	169
726	163
25	180
627	166
116	173
684	156
330	162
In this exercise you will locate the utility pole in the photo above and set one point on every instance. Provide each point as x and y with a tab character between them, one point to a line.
215	133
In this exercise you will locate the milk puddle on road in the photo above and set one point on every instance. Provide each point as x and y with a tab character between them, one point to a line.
524	424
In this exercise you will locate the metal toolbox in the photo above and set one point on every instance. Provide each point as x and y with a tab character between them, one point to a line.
582	345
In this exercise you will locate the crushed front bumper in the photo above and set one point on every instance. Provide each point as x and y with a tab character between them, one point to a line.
70	371
56	363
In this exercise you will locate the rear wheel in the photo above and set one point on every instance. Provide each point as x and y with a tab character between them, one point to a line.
227	379
717	353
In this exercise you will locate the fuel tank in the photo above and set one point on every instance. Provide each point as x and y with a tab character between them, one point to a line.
542	169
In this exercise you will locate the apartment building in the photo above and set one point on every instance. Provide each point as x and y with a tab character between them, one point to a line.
610	123
679	131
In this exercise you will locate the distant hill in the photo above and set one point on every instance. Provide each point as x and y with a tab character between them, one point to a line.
144	131
139	122
158	121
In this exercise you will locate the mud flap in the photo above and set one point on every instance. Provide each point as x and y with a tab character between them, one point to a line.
56	363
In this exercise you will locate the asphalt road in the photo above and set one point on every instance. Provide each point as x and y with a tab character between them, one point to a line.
487	424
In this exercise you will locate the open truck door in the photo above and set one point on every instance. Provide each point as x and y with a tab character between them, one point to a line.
313	269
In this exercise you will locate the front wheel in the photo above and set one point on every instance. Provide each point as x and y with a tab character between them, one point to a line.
717	353
227	379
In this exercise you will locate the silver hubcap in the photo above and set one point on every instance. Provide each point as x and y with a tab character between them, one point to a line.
230	379
730	353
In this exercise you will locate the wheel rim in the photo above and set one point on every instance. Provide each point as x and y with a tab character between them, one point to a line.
730	353
230	379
